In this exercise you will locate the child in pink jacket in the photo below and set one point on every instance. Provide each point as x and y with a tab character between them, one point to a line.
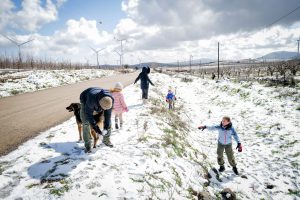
119	104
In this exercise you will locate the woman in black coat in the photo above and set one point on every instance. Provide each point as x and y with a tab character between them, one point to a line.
144	82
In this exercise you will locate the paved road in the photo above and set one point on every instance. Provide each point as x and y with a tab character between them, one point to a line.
26	115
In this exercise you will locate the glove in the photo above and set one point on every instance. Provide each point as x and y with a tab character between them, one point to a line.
202	127
97	129
126	109
167	100
105	132
239	147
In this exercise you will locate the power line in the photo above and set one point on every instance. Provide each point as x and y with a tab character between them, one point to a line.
271	24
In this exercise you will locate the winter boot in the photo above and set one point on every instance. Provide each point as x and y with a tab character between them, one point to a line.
87	150
222	168
106	141
234	169
116	123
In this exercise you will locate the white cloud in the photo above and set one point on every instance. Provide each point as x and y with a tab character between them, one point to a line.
32	15
163	31
170	30
5	13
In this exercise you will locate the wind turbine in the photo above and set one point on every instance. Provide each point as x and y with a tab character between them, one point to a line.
97	53
18	44
122	53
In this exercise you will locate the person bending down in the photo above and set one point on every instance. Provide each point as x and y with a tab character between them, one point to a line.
95	99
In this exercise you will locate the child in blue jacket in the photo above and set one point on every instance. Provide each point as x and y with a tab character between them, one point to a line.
170	98
225	130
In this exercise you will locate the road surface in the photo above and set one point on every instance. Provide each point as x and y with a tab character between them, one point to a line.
26	115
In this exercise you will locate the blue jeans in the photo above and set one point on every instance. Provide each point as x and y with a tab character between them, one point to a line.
86	128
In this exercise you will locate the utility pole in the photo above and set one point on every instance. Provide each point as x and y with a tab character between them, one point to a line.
18	44
122	52
178	66
191	57
140	60
218	60
298	46
200	65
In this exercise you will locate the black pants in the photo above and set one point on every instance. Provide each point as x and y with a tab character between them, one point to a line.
145	93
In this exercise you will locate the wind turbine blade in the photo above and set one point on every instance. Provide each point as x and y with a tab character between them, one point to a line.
101	49
93	49
13	41
117	52
26	42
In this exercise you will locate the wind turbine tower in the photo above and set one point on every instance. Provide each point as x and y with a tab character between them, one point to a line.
97	53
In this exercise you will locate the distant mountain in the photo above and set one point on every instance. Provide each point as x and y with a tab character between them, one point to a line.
279	55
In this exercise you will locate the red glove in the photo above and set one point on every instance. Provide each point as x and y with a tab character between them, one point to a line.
239	147
202	127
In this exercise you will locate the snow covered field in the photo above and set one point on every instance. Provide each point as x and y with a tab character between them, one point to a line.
13	82
161	155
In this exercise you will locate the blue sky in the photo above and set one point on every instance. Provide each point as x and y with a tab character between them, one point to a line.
108	11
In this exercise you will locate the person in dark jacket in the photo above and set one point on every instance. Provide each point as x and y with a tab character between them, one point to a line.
96	99
143	76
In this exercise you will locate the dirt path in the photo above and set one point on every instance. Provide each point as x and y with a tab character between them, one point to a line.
26	115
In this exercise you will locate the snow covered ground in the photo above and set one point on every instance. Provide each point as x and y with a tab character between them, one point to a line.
161	155
13	82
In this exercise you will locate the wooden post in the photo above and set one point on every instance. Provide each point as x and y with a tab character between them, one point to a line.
218	61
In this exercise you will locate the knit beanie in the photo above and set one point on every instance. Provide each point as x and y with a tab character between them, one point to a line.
105	103
118	86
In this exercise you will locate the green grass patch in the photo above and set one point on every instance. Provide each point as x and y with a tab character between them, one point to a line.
59	191
274	151
289	144
15	92
171	138
296	154
32	185
186	80
295	164
294	192
177	177
137	180
1	169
